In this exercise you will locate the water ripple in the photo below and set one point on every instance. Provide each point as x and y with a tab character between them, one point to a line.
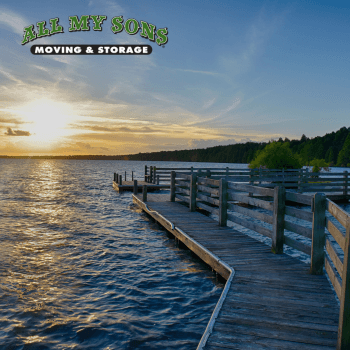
82	268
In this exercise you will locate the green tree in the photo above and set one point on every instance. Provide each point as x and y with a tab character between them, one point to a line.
319	164
344	154
330	155
276	155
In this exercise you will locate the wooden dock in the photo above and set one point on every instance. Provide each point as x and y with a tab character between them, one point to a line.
270	301
129	186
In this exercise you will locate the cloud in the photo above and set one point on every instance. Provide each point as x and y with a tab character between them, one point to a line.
209	103
11	132
210	143
12	20
198	71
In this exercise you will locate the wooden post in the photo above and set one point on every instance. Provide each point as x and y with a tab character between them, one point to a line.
306	177
172	186
346	179
193	192
208	174
344	313
132	176
300	180
144	193
125	176
191	169
120	179
115	177
150	174
250	182
283	177
227	171
318	234
136	189
223	202
154	174
146	173
279	204
157	179
260	175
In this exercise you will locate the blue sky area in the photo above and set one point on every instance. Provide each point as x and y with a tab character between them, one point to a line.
232	71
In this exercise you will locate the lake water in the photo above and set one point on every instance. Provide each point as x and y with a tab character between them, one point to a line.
82	268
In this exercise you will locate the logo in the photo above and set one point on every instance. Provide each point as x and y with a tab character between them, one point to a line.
131	26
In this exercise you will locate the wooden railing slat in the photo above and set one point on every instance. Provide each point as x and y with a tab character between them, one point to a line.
208	199
301	230
297	245
298	198
337	212
252	213
250	200
334	257
252	189
250	225
208	189
299	214
333	277
337	235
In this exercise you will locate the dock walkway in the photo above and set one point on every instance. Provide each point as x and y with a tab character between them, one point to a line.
271	300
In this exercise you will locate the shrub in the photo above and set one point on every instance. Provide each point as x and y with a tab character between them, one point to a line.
276	155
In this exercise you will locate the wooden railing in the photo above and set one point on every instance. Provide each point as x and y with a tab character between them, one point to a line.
337	265
300	179
274	219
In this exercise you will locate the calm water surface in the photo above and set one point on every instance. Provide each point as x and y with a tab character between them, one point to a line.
82	268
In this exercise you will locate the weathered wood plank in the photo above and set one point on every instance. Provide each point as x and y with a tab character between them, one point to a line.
273	303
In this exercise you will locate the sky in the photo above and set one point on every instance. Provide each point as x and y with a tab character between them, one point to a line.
231	72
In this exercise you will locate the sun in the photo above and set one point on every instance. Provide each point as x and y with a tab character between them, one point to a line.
46	120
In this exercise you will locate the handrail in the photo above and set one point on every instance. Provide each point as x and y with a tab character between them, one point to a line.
223	295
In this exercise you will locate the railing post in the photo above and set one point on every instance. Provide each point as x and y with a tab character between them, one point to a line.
227	172
193	192
135	187
344	320
157	179
250	194
346	179
144	193
306	177
260	175
132	176
115	177
125	176
318	234
120	179
154	174
279	204
300	180
146	173
223	202
172	186
150	174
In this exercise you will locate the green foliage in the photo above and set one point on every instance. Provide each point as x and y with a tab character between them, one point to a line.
344	154
276	155
319	164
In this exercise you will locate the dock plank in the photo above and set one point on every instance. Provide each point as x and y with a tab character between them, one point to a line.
273	301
